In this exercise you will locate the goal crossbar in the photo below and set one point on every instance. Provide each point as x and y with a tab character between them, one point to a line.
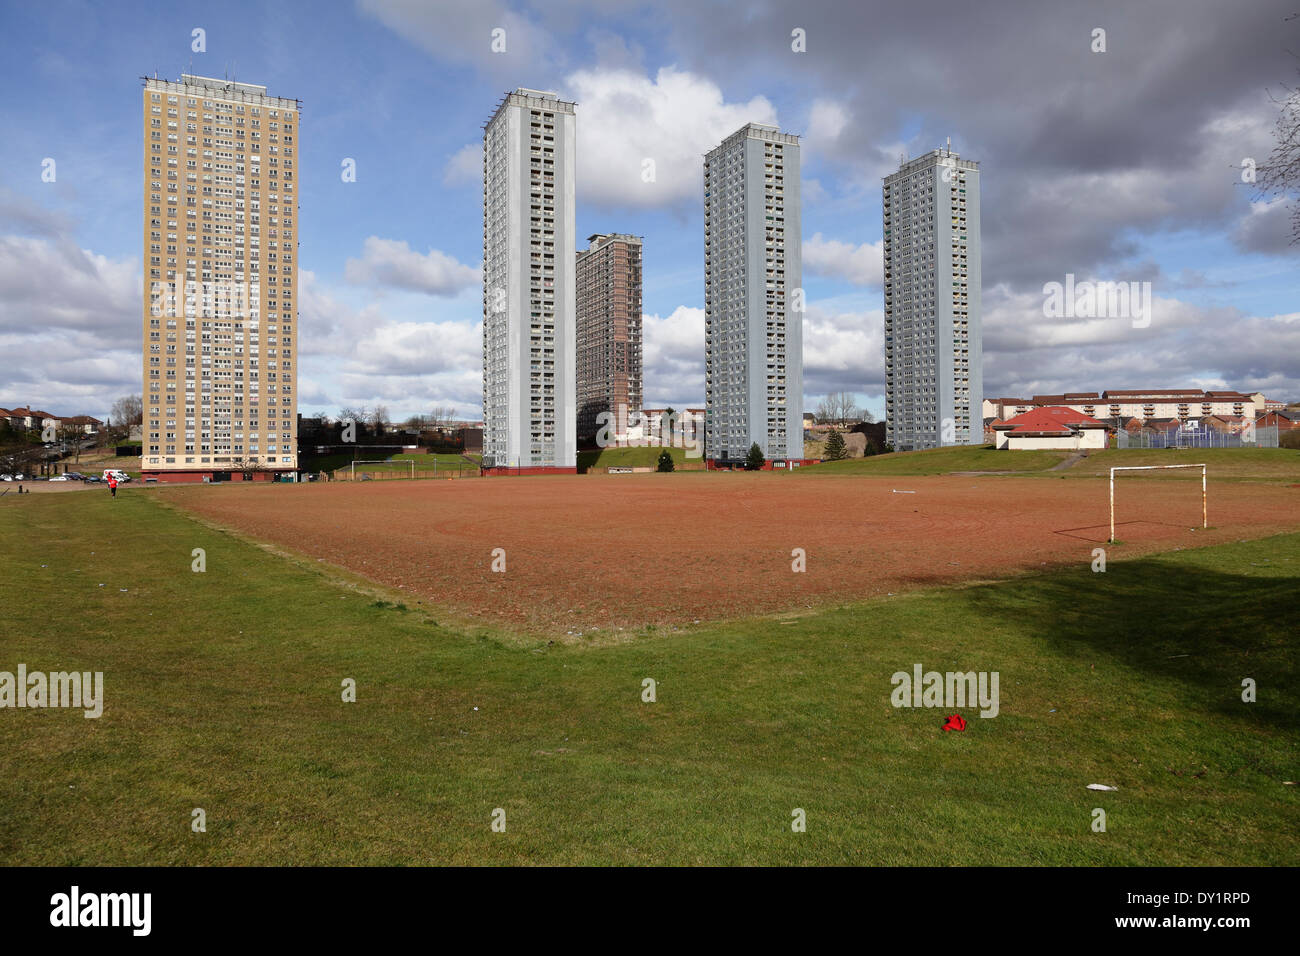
1205	522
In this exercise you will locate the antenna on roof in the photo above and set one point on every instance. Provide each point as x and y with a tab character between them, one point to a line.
949	145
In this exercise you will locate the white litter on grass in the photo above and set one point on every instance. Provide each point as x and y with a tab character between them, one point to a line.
1100	786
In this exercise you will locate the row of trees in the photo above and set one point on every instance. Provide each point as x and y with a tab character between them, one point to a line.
842	408
376	420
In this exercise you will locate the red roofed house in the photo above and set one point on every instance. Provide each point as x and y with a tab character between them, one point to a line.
1052	426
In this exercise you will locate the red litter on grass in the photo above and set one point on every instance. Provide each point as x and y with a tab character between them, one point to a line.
955	722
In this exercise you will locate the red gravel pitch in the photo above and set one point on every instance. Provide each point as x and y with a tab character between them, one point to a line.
586	552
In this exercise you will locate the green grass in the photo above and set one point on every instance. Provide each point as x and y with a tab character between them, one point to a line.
223	692
1267	464
443	458
647	457
941	461
387	463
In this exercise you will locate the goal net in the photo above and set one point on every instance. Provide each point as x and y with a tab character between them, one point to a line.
1204	512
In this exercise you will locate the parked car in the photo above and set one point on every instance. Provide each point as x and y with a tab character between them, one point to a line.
121	476
93	480
60	478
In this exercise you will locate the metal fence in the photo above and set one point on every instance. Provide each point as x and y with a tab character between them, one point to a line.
1200	437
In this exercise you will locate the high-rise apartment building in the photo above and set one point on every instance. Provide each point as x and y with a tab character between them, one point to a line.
529	385
608	329
933	348
220	279
753	313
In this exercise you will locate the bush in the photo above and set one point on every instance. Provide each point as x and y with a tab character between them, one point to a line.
755	459
1289	439
665	461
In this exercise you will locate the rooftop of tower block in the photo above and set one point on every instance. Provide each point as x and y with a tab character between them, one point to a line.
934	157
598	239
191	85
763	131
533	99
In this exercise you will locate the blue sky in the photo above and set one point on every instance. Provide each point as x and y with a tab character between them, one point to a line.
1119	165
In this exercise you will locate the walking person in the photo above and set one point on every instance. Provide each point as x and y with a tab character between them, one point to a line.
112	485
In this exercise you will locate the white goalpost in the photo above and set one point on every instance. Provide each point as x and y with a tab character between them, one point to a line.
1205	523
387	462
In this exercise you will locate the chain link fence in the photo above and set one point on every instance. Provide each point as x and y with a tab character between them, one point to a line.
1199	437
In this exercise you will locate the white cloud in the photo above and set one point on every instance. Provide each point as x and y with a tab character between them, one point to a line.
391	262
842	351
69	326
626	118
861	265
826	120
673	358
464	166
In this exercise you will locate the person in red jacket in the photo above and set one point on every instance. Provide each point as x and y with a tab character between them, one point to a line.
112	485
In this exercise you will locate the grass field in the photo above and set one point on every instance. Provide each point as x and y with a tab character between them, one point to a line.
1266	464
647	457
940	461
387	463
229	700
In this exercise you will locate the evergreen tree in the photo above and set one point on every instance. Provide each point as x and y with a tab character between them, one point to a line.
666	461
754	460
835	450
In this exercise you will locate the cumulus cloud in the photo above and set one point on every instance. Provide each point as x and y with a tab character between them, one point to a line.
69	326
391	262
464	166
826	120
1026	352
1267	228
861	264
672	359
627	119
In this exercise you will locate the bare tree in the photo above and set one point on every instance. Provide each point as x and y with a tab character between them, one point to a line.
379	419
1278	177
73	434
357	415
441	417
838	407
127	411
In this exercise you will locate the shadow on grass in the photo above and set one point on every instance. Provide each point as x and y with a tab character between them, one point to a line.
1172	620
